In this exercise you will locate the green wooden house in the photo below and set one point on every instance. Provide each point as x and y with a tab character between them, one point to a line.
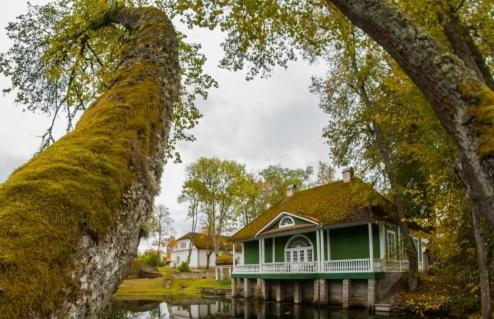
336	243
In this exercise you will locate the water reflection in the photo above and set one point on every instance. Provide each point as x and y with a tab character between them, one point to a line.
226	309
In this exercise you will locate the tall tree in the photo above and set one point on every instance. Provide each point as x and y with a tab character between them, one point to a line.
267	33
76	209
162	226
215	184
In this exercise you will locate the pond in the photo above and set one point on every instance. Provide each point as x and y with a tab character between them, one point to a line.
197	309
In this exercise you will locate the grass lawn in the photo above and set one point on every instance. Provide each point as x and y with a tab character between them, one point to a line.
154	289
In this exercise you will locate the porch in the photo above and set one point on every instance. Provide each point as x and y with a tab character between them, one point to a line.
333	266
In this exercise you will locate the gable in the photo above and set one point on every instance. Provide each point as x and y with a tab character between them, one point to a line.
286	221
282	217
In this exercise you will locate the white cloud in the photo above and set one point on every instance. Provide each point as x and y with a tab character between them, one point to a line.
260	122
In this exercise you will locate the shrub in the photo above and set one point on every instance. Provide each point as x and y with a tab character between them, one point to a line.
184	267
151	258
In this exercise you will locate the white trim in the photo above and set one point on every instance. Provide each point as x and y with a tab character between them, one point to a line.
289	233
318	244
382	240
371	247
290	218
273	256
274	220
391	231
329	245
260	254
295	236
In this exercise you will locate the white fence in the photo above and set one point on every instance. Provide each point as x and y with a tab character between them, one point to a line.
332	266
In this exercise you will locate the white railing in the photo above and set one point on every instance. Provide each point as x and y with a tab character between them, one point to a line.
395	265
347	265
243	269
332	266
281	267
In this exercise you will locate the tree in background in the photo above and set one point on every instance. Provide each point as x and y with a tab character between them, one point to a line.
211	188
85	197
162	227
262	34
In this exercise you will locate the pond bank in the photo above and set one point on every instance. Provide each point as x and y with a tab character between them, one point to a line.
171	285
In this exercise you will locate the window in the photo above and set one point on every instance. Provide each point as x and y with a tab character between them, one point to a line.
416	244
178	260
183	244
391	243
298	249
287	221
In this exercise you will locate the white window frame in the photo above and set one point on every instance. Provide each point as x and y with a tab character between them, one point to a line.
292	252
392	250
290	220
183	244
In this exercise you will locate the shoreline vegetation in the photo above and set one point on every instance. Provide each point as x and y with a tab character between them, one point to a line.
156	289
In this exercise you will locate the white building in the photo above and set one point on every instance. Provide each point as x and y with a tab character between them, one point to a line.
201	246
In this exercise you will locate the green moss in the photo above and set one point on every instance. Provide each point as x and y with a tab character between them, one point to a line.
483	115
327	204
72	188
155	288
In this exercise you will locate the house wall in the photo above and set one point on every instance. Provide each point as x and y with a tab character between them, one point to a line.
251	252
345	243
349	242
198	257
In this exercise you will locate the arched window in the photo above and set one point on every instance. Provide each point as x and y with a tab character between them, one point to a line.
287	221
298	249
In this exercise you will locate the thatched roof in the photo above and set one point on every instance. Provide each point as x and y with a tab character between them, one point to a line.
203	241
333	203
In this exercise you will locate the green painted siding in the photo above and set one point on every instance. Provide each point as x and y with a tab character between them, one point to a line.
297	221
251	252
280	243
375	241
350	242
268	250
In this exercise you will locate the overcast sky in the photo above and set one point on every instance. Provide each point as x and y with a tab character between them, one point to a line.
257	123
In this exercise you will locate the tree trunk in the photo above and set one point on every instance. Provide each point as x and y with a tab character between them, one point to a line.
459	99
411	251
483	267
465	48
74	213
463	45
385	153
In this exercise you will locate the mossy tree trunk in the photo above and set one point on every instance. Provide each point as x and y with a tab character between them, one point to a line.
462	102
70	219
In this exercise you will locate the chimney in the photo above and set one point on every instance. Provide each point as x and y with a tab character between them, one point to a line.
347	175
291	190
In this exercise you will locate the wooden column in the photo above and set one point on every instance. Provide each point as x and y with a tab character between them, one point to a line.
315	299
371	248
278	292
318	249
323	292
297	292
247	288
371	293
346	293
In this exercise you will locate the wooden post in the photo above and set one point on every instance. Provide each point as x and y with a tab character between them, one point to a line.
297	292
371	293
246	288
323	292
371	248
316	294
346	293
